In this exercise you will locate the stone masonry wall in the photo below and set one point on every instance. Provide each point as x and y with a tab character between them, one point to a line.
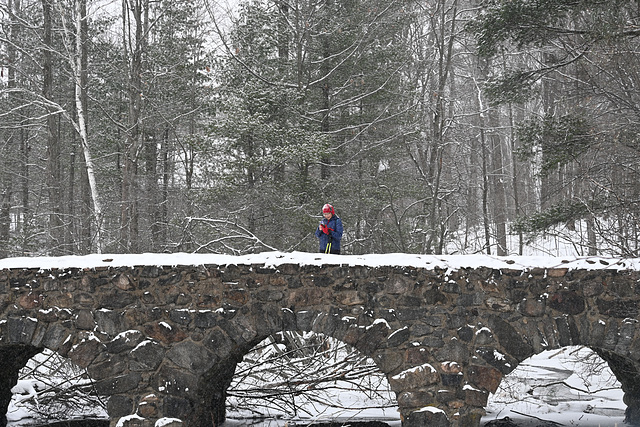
162	342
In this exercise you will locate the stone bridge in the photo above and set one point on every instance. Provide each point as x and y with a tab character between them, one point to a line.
161	334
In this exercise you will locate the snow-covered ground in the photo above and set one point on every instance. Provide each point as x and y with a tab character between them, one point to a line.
571	386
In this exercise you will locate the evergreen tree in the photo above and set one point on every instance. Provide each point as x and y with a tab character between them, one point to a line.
585	133
305	105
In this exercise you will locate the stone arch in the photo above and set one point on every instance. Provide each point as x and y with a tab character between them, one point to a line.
616	339
23	337
229	338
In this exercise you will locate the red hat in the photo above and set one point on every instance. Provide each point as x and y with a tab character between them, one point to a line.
328	208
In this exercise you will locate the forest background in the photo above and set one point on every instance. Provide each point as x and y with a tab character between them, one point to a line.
440	126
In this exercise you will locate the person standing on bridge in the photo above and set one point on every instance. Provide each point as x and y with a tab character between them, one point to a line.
329	231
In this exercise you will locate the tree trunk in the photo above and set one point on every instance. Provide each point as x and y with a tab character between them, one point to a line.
498	187
136	10
56	232
515	179
153	213
81	97
6	170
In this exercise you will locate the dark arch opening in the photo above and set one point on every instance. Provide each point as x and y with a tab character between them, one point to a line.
307	376
567	385
49	388
12	359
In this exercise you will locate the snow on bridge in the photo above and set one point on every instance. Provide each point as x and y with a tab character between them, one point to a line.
273	259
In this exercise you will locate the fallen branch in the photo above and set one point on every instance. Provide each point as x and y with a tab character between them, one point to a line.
537	418
569	386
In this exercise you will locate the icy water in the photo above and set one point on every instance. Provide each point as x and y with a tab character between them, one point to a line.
309	423
71	423
567	387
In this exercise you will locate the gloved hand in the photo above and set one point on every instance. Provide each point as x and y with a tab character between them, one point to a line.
324	228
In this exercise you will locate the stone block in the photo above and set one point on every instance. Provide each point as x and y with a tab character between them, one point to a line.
269	295
266	319
564	334
114	366
118	385
38	335
206	319
146	356
414	378
398	337
455	351
510	338
165	333
20	330
471	299
305	296
485	377
289	320
373	337
242	330
177	407
135	421
123	282
433	341
428	416
31	300
450	368
149	406
84	320
125	341
408	314
119	406
484	337
447	397
533	307
451	380
288	269
475	397
116	299
418	355
83	353
322	281
181	317
618	308
557	272
218	342
503	362
592	288
349	298
567	302
398	286
433	296
55	336
175	382
170	279
499	304
414	399
191	356
470	418
388	361
110	322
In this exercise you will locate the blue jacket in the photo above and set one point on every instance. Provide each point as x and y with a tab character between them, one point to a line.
334	236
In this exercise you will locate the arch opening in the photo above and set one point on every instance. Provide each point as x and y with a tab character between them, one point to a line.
572	385
50	387
309	376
